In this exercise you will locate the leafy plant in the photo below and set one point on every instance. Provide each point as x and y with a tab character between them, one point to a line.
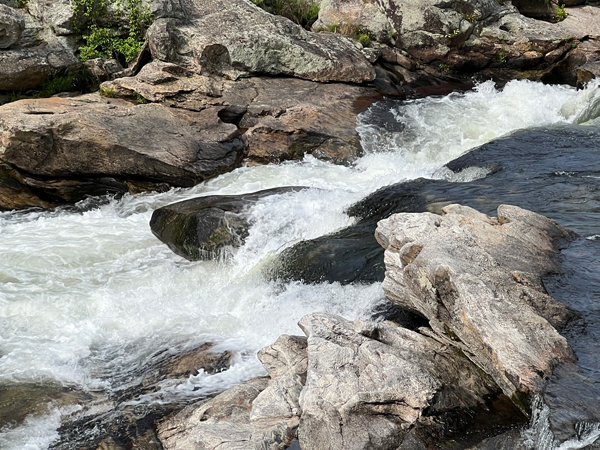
502	57
73	81
453	33
561	14
104	39
140	98
444	67
470	18
14	96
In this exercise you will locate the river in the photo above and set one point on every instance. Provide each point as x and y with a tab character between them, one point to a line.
88	295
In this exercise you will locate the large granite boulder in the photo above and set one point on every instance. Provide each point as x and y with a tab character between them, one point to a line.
91	140
38	56
207	227
236	37
11	26
348	385
477	280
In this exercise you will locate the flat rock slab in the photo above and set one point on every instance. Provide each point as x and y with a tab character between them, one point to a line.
90	138
478	281
236	37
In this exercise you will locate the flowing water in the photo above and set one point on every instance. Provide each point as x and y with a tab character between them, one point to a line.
88	295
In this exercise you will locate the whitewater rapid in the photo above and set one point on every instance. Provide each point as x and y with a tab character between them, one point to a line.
86	294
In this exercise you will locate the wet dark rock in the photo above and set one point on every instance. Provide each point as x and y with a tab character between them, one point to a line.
207	227
550	178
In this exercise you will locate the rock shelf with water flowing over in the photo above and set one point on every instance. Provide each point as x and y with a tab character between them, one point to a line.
379	225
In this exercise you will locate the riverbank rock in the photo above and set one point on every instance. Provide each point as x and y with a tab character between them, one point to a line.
60	144
349	384
364	15
236	37
207	227
280	118
478	281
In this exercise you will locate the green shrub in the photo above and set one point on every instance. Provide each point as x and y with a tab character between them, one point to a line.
352	30
79	80
103	37
561	14
302	12
107	92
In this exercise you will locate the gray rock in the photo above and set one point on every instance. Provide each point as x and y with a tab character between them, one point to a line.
11	26
207	227
104	69
478	281
236	37
39	56
286	361
368	384
427	29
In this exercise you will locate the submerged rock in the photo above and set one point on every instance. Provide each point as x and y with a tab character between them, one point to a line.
206	227
124	417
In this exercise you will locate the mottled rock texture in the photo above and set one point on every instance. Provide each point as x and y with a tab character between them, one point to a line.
283	118
12	25
369	384
364	15
478	281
